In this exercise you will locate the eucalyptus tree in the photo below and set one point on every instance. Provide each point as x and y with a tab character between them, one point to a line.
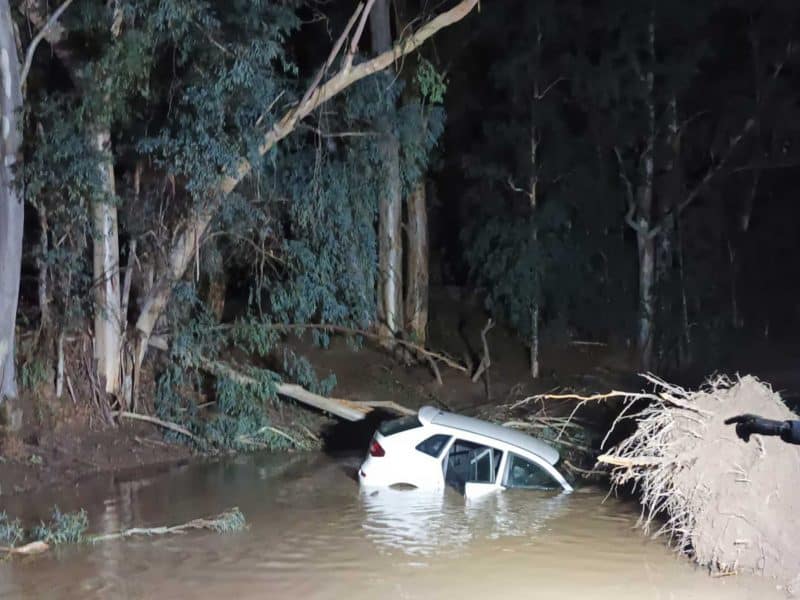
183	122
545	237
11	201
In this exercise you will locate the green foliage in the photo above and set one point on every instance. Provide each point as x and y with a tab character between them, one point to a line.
62	528
432	84
11	531
230	522
545	234
188	89
33	373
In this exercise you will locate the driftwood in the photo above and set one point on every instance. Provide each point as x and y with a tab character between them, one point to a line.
230	520
29	549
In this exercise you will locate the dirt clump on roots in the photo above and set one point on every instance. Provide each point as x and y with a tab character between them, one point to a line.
732	506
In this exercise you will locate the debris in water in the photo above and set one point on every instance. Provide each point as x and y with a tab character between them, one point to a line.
70	528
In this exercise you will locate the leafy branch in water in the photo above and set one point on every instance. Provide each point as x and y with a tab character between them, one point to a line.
70	528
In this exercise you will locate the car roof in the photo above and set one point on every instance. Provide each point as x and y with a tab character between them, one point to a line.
431	415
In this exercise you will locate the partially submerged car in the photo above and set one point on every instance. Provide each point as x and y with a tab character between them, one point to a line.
435	448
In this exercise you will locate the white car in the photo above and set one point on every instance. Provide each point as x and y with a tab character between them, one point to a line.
435	448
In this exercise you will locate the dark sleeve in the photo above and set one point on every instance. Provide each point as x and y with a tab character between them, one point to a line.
791	434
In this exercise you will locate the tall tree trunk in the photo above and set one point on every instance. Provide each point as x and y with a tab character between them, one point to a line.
417	292
41	265
12	207
533	194
686	355
645	239
534	349
390	240
107	308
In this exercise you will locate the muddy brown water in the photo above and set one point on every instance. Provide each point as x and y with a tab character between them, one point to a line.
313	534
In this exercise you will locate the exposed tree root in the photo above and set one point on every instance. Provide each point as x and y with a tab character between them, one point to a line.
730	505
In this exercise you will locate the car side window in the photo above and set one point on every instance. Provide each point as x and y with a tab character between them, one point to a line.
522	473
434	445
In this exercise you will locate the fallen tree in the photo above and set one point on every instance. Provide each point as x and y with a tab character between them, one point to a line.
730	505
345	409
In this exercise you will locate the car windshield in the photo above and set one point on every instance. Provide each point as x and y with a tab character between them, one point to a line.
394	426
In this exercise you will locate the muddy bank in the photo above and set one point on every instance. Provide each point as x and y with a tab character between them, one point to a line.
76	451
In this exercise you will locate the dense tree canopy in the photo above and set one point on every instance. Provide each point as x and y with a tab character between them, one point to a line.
202	177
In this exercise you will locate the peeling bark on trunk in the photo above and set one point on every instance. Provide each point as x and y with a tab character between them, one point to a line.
390	241
12	207
108	312
417	293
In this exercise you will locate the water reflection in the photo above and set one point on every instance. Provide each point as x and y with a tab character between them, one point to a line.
313	534
426	523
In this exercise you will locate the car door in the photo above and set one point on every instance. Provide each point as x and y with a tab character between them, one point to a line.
525	473
473	467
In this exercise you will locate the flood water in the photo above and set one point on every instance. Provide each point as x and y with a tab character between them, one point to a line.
312	534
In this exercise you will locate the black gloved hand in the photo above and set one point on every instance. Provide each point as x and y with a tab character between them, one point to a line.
748	424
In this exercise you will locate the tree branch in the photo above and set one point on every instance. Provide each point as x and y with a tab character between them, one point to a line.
542	94
348	60
333	54
26	67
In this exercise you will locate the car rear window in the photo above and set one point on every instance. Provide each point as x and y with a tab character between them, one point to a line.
434	444
388	428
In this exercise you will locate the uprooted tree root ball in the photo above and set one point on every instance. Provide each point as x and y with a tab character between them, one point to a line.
730	505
